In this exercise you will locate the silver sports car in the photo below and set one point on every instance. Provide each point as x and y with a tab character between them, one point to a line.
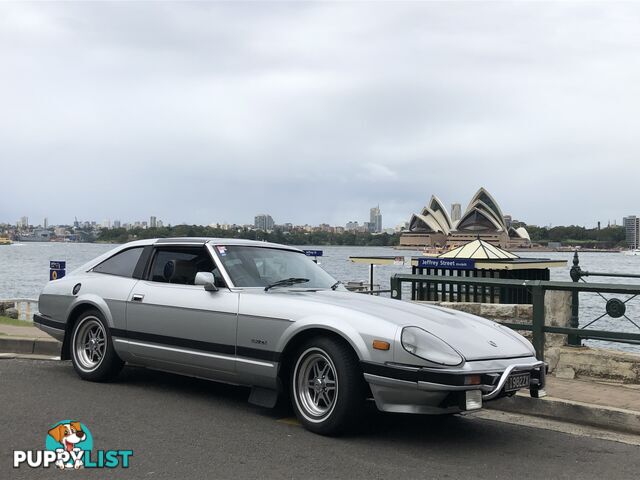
266	316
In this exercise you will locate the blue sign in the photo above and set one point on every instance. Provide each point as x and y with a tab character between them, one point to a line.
313	253
447	263
57	269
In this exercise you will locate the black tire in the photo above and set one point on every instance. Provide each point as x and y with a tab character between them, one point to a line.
335	413
97	361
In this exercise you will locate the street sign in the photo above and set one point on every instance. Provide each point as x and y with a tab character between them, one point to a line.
57	269
313	253
447	263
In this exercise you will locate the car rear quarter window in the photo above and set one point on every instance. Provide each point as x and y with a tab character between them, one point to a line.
122	264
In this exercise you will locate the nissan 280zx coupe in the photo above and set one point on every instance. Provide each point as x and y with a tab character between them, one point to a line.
266	316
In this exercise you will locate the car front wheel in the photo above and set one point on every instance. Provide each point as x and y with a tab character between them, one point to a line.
92	352
327	386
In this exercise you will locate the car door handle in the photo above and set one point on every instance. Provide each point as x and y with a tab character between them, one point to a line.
137	297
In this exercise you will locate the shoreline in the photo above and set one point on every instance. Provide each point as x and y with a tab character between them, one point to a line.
394	247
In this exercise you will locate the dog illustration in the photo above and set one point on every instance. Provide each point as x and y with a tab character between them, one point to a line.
68	434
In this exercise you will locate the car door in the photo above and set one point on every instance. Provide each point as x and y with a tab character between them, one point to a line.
176	325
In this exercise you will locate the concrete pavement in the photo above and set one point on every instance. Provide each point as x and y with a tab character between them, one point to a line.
583	402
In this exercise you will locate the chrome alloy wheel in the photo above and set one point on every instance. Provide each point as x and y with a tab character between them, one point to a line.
316	384
89	344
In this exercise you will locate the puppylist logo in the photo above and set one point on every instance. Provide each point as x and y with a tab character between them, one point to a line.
69	446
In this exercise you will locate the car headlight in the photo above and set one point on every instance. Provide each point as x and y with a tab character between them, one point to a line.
422	344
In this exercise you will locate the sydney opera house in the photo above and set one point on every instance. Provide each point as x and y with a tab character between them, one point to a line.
434	227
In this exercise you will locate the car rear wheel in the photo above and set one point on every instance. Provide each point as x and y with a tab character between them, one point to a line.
326	386
92	352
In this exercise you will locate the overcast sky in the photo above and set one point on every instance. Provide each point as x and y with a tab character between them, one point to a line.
314	112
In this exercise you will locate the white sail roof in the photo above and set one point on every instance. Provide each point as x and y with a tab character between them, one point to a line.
479	249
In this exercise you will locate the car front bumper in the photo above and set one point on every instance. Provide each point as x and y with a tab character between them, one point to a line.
407	389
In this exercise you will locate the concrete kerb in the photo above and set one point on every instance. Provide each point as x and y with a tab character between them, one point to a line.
30	346
570	411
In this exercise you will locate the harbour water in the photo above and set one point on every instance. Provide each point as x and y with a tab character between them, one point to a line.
24	271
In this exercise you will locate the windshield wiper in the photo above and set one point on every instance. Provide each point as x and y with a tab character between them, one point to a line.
286	282
336	285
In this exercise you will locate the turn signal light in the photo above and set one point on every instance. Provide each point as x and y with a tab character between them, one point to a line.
472	380
381	345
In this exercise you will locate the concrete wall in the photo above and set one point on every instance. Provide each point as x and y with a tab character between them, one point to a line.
564	361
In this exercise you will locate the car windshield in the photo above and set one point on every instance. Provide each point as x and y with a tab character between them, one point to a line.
264	266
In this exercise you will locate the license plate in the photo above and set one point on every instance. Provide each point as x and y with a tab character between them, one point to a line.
516	382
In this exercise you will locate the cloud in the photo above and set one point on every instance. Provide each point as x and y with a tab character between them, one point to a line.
314	112
374	172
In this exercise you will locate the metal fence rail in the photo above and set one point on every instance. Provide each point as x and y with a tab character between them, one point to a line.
537	290
26	307
436	286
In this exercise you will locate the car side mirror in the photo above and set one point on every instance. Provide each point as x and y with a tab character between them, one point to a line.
207	279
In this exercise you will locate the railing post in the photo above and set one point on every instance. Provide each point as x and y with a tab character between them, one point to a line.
396	288
371	278
576	274
538	319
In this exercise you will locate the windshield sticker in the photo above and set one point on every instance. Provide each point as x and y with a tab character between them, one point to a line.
222	250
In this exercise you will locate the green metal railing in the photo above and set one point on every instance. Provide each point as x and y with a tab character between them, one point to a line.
614	307
537	289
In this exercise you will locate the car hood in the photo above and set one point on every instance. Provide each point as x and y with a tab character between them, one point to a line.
474	337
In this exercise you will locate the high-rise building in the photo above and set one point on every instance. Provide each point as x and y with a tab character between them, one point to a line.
350	226
632	230
153	222
23	222
456	212
264	222
375	220
116	224
45	223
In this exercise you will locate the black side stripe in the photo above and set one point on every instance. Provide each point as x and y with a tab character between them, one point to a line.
197	345
258	354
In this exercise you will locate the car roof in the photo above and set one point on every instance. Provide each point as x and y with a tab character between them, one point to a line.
219	241
181	241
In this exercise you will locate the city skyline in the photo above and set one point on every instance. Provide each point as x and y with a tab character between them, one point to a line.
615	222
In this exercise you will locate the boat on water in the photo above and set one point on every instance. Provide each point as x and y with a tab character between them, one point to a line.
5	241
38	235
633	251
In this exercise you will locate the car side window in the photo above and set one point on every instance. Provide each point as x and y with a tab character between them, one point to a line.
180	265
122	264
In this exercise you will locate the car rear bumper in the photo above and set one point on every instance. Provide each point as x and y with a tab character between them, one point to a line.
406	389
47	324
